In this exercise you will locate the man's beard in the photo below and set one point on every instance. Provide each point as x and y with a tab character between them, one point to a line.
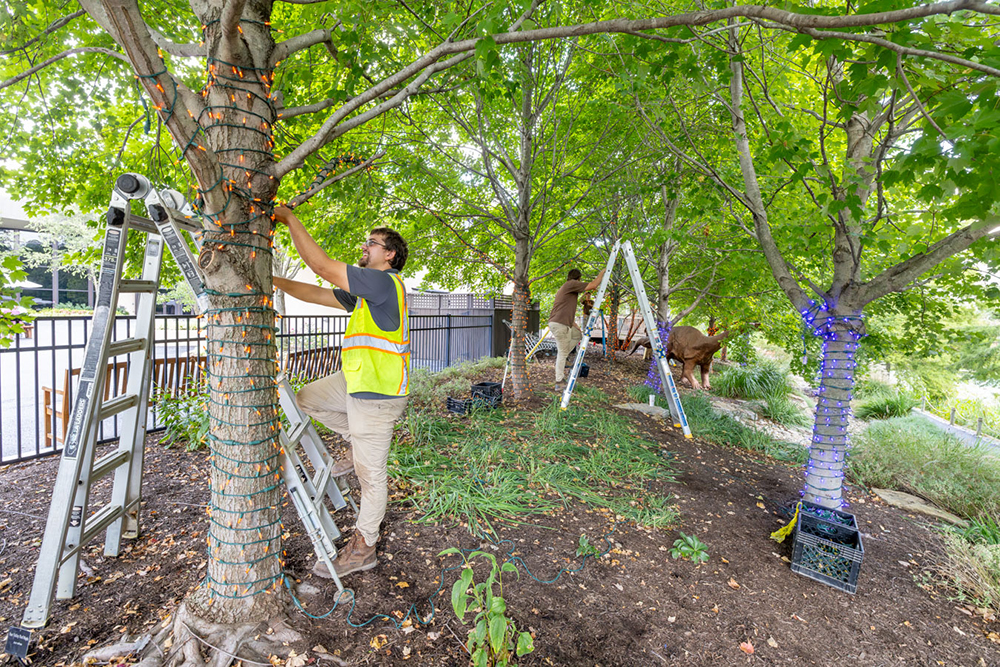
363	261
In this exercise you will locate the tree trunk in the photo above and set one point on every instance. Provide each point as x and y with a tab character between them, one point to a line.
828	452
244	535
519	317
614	300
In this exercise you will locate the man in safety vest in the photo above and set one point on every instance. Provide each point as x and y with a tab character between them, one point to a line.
364	400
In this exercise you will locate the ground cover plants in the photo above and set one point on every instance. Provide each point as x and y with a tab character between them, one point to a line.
512	464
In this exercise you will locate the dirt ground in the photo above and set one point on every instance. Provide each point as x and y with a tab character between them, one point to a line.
636	606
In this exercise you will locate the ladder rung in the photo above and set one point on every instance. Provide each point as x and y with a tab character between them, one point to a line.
125	346
137	286
99	521
108	463
295	435
118	404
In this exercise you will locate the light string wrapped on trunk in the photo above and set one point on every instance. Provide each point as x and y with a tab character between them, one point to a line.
830	440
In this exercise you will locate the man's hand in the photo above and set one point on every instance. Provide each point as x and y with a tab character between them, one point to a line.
283	214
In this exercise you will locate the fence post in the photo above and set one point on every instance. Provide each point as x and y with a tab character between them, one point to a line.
952	421
923	404
447	343
979	428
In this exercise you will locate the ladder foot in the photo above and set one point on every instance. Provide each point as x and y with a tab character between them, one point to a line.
688	435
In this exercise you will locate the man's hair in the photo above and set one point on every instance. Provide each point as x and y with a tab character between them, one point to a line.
574	274
393	241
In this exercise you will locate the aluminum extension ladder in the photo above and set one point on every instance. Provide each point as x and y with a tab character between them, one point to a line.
69	526
670	388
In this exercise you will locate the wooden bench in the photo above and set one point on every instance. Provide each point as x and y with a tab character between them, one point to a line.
313	363
169	375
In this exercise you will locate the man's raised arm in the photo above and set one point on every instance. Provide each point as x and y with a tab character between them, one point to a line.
595	283
323	296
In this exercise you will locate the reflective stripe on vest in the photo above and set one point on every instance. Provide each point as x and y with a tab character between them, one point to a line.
375	360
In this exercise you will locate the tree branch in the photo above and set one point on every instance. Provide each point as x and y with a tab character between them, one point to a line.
896	278
305	196
301	42
56	58
429	63
52	27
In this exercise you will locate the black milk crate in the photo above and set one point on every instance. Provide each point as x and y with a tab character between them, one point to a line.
584	370
827	547
464	406
488	390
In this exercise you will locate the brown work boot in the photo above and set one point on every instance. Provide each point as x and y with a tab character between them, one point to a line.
355	556
342	466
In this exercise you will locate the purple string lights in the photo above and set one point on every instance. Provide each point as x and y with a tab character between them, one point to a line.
653	380
830	440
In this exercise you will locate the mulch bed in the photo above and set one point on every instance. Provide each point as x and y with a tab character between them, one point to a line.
636	606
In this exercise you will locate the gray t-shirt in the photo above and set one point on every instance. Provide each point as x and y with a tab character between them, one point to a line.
378	288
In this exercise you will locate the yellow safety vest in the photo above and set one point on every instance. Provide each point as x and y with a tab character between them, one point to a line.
373	359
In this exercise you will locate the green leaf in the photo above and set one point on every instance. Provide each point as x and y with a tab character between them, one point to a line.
525	644
498	632
480	658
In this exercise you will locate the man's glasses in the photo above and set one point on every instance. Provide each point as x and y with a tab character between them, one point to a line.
370	242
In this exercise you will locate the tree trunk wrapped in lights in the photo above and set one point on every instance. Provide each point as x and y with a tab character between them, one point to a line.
830	441
653	380
519	320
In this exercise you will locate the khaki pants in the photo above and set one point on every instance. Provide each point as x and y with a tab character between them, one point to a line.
566	339
366	425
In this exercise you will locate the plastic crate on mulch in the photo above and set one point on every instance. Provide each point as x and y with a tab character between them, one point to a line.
827	547
464	406
584	370
487	390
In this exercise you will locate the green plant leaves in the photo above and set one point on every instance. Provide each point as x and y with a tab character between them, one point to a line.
460	594
525	644
498	632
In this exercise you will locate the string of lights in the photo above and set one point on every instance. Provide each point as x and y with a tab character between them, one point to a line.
830	440
245	528
653	379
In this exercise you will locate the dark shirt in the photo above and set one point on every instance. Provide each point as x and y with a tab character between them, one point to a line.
564	305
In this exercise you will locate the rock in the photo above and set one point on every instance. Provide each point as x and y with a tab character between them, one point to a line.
654	411
911	503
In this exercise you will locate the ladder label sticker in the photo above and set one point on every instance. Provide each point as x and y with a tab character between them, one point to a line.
74	435
76	517
18	640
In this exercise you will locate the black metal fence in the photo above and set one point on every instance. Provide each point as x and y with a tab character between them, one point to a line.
38	373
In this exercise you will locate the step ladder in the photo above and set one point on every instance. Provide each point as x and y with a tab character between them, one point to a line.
70	526
667	379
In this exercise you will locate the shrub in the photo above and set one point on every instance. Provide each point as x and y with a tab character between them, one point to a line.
752	382
885	406
867	387
973	570
185	416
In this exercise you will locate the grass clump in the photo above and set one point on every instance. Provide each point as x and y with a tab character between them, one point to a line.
885	406
782	410
971	566
757	382
509	466
722	429
909	454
